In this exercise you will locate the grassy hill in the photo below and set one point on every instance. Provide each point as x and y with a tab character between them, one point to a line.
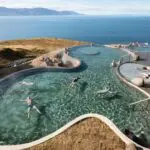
31	48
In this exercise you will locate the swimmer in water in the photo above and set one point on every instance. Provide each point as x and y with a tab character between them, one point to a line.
31	106
74	81
26	83
105	90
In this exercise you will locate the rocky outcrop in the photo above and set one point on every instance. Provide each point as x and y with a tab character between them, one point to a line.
57	60
70	62
138	81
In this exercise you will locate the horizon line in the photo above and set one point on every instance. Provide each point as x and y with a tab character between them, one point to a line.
85	14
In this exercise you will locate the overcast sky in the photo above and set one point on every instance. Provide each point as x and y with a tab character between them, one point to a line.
91	7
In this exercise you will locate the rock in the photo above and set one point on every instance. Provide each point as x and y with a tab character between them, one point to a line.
148	67
70	62
147	81
138	81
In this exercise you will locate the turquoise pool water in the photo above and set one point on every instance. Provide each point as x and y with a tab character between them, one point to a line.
60	103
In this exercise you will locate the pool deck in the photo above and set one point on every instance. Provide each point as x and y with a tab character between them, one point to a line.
130	71
133	70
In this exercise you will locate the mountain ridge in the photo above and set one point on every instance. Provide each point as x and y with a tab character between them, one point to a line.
4	11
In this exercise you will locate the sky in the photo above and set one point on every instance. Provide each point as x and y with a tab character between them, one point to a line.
90	7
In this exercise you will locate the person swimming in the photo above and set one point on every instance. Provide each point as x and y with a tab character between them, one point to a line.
74	80
26	83
30	104
103	91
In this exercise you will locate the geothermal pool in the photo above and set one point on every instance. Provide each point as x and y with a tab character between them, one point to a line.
60	103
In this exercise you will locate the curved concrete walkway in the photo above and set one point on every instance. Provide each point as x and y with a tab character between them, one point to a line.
132	70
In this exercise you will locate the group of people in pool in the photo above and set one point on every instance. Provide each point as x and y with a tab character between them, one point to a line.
29	100
30	104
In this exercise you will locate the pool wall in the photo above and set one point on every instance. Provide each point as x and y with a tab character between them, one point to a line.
129	52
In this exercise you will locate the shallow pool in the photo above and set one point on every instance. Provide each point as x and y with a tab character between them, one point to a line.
59	103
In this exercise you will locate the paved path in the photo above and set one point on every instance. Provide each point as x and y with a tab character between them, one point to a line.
131	70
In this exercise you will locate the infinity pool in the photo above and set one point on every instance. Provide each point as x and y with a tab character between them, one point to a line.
59	103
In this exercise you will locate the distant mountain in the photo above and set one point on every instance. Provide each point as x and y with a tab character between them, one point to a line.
32	12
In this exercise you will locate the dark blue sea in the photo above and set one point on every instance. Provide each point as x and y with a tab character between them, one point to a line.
99	29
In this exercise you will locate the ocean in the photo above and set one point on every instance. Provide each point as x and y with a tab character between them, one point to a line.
99	29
